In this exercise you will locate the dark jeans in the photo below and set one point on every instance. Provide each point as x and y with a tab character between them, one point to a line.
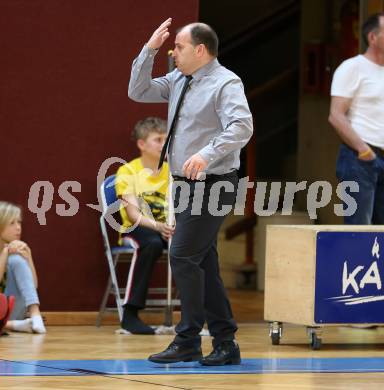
195	266
370	177
151	245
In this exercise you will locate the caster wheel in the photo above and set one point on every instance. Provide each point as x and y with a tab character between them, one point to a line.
275	332
275	337
315	342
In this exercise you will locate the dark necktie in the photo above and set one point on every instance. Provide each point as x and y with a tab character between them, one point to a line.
173	124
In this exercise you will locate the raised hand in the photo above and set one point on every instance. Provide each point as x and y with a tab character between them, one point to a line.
160	35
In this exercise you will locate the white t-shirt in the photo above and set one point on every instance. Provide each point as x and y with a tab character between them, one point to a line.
363	81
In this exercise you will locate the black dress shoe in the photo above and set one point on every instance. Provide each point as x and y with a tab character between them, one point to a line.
177	353
227	352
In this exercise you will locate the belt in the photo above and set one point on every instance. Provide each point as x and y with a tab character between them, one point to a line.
209	177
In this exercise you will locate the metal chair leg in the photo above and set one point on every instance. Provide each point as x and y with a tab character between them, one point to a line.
116	289
168	310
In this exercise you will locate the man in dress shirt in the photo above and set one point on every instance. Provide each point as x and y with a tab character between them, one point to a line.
212	125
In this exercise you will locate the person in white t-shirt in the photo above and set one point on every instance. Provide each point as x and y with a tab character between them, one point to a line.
357	114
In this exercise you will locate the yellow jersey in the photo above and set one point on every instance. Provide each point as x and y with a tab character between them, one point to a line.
150	190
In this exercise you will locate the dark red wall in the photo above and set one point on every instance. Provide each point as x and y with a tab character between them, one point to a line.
64	69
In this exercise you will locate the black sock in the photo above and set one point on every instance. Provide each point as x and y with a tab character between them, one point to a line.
136	326
132	323
130	311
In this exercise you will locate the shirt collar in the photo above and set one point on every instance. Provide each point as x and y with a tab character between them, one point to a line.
206	69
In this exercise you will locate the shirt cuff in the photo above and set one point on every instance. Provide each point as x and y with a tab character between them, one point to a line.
150	52
346	95
208	154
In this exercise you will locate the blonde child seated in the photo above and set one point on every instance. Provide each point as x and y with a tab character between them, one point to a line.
17	273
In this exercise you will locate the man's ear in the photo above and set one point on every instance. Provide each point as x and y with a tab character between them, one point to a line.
140	144
201	49
372	37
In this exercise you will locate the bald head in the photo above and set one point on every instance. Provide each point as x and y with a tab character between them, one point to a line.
202	33
196	45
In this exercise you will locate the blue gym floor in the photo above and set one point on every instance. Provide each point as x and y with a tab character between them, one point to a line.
144	367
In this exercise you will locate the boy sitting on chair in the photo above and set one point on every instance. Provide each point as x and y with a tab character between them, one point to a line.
143	190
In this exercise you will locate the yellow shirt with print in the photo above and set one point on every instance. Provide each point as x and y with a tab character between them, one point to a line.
150	190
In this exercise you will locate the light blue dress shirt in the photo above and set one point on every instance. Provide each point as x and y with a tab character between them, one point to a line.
214	119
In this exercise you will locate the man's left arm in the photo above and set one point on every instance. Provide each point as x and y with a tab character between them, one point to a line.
236	119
